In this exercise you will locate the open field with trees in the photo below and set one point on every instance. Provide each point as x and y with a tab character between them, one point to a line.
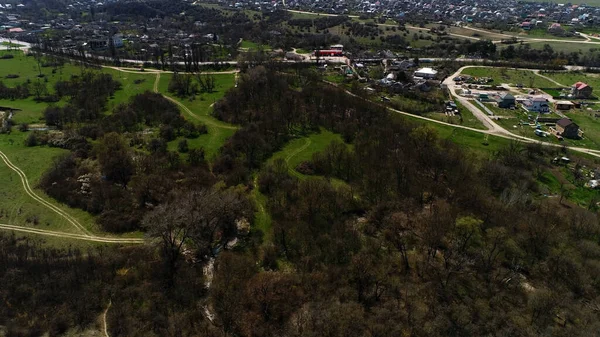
571	77
510	76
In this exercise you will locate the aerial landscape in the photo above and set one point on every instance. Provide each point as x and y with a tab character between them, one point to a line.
299	168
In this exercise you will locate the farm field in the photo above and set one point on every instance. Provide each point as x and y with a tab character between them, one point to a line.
510	76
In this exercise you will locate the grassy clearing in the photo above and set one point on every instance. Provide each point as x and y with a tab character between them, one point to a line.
201	106
510	76
15	205
132	84
253	46
565	47
302	149
468	119
589	124
262	218
542	33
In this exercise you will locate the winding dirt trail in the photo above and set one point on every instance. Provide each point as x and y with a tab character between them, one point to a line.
85	233
104	323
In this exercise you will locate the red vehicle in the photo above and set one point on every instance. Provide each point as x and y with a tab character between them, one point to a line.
329	52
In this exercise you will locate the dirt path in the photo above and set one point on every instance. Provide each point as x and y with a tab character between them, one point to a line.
295	153
85	233
537	72
104	323
39	199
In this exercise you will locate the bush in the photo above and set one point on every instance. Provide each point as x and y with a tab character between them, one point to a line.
12	76
31	140
23	127
182	146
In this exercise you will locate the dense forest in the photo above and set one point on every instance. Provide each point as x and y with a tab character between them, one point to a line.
392	231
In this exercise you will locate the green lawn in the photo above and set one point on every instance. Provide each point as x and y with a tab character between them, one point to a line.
511	76
201	107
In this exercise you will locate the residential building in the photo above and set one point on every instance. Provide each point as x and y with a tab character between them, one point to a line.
505	100
426	73
581	90
564	105
568	129
536	104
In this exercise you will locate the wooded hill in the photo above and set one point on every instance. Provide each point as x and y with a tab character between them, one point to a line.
399	232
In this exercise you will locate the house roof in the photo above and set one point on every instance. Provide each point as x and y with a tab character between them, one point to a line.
580	85
564	122
539	99
507	95
429	71
564	103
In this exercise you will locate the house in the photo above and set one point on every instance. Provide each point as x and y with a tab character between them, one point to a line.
556	29
581	90
568	129
505	100
526	25
536	104
426	73
564	105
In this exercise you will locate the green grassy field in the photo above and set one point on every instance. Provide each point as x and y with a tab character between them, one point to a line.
15	205
218	132
542	33
301	149
26	68
467	118
511	76
565	47
253	46
589	124
572	77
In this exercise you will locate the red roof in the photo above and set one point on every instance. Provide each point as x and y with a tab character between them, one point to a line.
580	85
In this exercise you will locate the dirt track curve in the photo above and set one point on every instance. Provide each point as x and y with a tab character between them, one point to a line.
85	234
